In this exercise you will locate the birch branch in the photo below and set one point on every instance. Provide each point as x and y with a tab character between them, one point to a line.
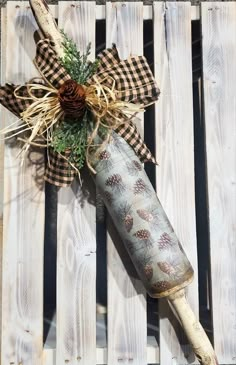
193	329
47	24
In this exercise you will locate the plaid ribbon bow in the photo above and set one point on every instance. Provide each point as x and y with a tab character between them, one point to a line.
134	83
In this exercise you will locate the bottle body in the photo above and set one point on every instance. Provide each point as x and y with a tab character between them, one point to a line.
141	220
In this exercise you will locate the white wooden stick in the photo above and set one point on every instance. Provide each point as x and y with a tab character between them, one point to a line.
194	331
47	24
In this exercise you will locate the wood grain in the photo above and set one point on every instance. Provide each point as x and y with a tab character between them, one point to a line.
219	77
174	152
76	262
22	304
127	326
2	118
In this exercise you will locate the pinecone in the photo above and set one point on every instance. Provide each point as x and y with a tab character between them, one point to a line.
124	213
133	167
148	271
104	155
128	221
105	160
142	234
108	197
113	180
140	187
160	286
166	268
145	214
137	165
165	241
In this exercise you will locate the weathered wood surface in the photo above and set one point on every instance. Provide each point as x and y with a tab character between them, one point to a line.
218	27
2	118
219	77
22	304
174	152
127	327
76	272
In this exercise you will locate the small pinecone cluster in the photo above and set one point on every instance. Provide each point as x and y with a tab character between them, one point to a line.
165	241
116	183
108	197
126	217
104	155
128	221
114	180
140	187
143	234
160	286
166	267
133	167
148	271
145	215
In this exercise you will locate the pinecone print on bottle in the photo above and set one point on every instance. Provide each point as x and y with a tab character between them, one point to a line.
104	157
144	236
128	222
115	182
148	271
141	188
108	197
145	215
149	215
125	215
160	286
165	242
133	167
167	268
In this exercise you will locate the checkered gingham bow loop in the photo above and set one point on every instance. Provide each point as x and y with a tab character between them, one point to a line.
134	83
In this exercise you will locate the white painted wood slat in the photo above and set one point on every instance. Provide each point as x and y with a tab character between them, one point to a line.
76	272
219	77
2	124
174	152
127	327
22	305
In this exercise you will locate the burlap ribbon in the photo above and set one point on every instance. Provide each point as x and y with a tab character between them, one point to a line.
134	82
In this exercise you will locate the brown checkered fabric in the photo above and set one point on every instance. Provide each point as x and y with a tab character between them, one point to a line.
14	104
133	138
58	171
134	83
48	64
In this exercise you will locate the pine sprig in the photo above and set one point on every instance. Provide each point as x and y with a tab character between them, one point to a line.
72	135
76	64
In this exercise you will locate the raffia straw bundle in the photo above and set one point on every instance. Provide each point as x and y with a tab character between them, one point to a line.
45	112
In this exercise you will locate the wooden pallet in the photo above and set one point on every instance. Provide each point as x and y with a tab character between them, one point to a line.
23	204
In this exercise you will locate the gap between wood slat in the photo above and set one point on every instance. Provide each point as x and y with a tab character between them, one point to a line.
49	356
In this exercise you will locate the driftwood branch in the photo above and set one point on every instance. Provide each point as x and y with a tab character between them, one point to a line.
193	329
47	24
